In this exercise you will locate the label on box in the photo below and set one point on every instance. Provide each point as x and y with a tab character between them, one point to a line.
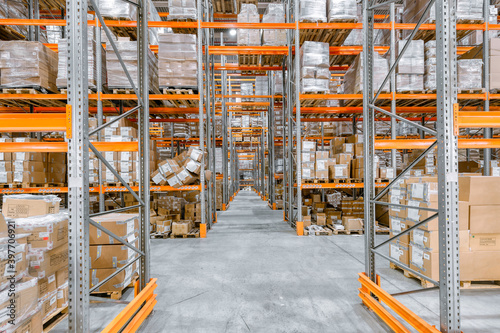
44	235
339	171
417	256
396	252
157	178
2	166
19	156
396	226
389	172
53	300
126	156
427	256
109	156
412	212
487	241
110	177
495	172
3	177
395	200
51	278
60	294
418	237
417	191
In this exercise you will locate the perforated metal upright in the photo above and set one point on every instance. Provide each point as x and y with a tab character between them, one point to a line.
226	188
201	114
446	143
271	158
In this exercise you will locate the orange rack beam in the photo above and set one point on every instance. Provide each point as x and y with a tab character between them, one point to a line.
29	122
425	143
62	147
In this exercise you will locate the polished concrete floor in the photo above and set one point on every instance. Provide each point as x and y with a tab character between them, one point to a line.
253	274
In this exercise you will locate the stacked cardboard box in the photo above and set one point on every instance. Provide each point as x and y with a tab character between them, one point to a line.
430	65
37	218
342	10
117	10
128	53
181	10
470	10
184	169
248	14
261	88
315	67
106	254
353	79
411	66
177	65
470	74
26	64
275	13
312	10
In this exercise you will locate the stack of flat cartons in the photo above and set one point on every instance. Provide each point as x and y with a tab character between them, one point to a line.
312	11
26	64
38	217
182	10
353	79
411	66
177	65
275	13
106	254
315	67
470	73
248	14
26	167
430	65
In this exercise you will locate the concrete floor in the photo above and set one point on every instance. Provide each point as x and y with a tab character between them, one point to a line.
253	274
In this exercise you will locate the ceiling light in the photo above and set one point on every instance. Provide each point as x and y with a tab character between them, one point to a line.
232	32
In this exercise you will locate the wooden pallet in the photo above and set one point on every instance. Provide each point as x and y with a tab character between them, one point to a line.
195	233
271	59
164	235
28	185
9	33
53	4
188	103
118	184
480	284
325	232
31	102
223	6
92	102
240	2
424	283
55	318
346	232
116	294
249	60
315	181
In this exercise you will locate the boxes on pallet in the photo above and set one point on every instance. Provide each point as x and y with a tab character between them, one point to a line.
399	251
25	64
25	299
470	73
248	14
275	13
411	67
181	227
342	10
46	263
182	10
312	10
177	65
117	283
353	79
352	223
26	205
112	255
115	9
315	62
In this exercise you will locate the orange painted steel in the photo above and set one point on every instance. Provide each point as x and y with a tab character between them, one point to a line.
240	25
203	230
372	295
245	96
425	143
233	50
29	122
483	119
299	225
130	310
336	185
62	147
236	67
139	318
245	104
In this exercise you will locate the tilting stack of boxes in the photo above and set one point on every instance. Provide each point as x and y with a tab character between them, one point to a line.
41	273
184	169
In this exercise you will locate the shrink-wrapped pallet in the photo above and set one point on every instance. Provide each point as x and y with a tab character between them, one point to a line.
248	14
246	88
261	87
312	10
466	10
278	82
26	64
430	65
14	9
342	10
275	13
315	62
118	9
411	67
182	9
177	65
470	73
353	79
128	53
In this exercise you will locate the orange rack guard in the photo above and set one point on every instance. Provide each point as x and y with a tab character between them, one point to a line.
135	312
369	290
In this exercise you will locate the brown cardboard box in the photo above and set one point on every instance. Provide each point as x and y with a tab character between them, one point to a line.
308	157
397	226
356	138
484	242
182	227
352	223
339	171
479	190
319	207
25	298
158	178
48	304
7	267
62	296
47	233
32	324
416	214
122	225
117	282
307	220
399	251
111	256
6	177
484	219
46	285
62	276
46	263
463	215
15	207
30	166
321	219
429	240
316	198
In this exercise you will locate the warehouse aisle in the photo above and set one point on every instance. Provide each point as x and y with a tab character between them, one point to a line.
253	274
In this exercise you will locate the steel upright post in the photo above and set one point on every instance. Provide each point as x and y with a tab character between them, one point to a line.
143	117
446	74
201	118
394	124
298	157
225	187
78	167
368	138
100	115
486	81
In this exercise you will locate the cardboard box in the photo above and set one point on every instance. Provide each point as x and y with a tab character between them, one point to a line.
33	324
352	223
48	304
25	298
46	263
308	157
399	251
181	227
46	232
484	242
16	266
47	285
111	256
416	214
62	276
117	282
6	177
15	206
397	226
479	190
484	219
321	219
122	225
429	240
356	138
62	296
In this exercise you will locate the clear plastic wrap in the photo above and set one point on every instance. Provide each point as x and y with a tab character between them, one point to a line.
412	61
342	10
470	72
278	82
177	64
312	10
128	52
315	62
26	64
54	199
182	9
261	88
14	9
246	88
430	65
410	82
275	13
470	10
248	14
353	79
25	290
315	54
118	9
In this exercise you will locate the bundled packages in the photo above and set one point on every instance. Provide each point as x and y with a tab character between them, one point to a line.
430	65
315	67
275	13
411	68
248	14
312	10
177	64
470	73
342	10
353	79
181	9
